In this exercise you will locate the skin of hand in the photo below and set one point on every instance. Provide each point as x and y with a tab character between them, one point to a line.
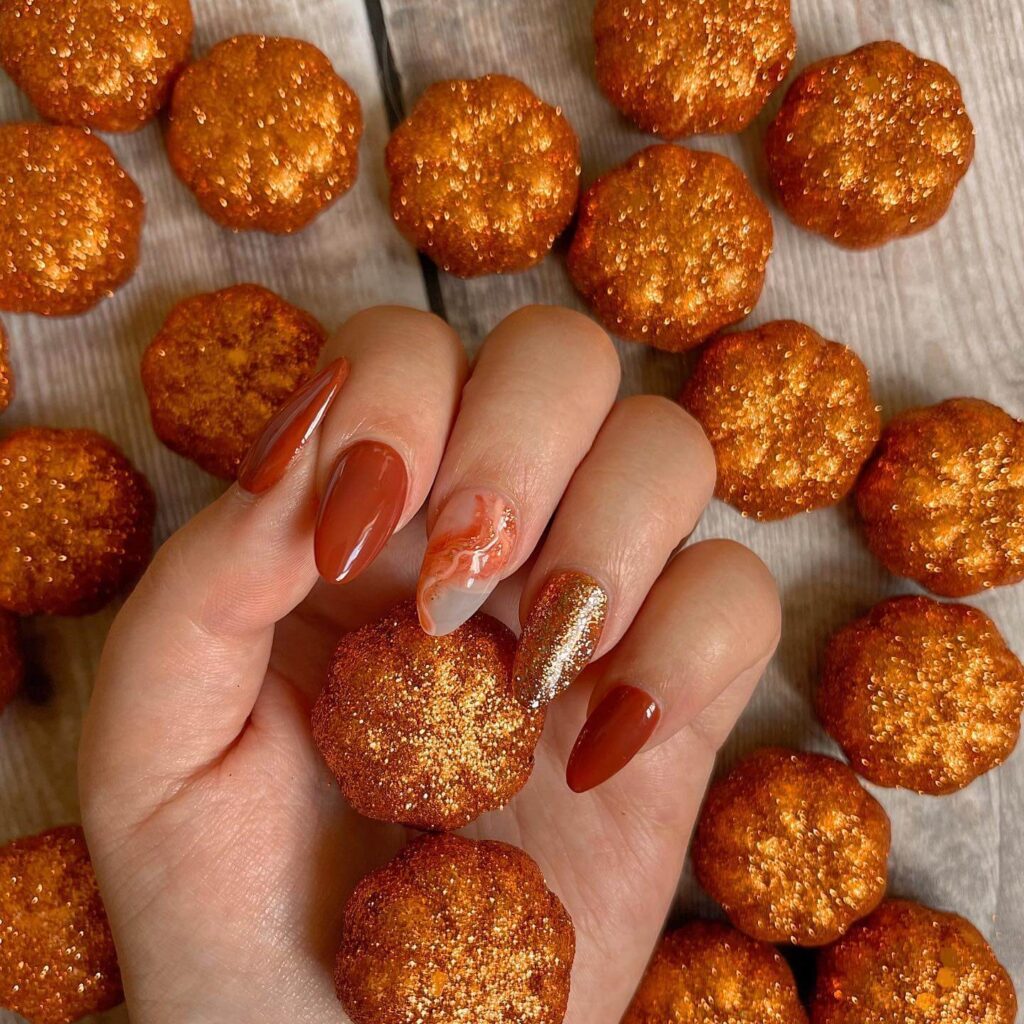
223	848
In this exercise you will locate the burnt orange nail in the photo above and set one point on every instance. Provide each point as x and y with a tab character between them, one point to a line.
611	737
360	509
290	428
561	634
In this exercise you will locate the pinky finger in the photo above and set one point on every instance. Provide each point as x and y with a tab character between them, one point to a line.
690	660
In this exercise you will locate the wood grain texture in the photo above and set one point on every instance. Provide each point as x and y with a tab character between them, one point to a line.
934	316
85	370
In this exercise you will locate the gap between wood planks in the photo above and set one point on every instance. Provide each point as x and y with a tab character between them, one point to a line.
391	87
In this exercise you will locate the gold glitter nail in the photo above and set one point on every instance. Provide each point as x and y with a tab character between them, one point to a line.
560	637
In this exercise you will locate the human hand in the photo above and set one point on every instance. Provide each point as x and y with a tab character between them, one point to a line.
224	851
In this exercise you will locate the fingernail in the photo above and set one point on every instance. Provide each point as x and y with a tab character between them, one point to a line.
611	737
360	509
469	549
290	428
561	634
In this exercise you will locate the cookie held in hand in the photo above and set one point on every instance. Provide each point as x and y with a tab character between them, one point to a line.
426	731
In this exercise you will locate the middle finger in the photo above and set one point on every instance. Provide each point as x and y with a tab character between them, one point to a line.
542	386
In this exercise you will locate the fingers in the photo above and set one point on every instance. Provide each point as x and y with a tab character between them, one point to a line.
690	661
380	448
187	656
543	384
636	496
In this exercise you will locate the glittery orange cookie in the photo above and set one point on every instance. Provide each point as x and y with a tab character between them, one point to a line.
455	930
76	521
680	68
425	731
922	695
909	964
870	146
6	373
102	64
59	963
942	499
484	175
789	414
709	973
265	133
221	366
671	247
792	846
12	663
70	220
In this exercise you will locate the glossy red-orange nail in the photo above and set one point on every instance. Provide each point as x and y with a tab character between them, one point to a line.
611	737
290	428
361	507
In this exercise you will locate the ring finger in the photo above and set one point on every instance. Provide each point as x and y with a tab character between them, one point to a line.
638	493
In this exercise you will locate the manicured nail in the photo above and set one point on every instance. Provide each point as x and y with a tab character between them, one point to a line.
469	549
561	634
611	737
361	507
290	428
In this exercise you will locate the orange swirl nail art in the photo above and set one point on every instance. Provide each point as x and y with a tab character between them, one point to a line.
470	547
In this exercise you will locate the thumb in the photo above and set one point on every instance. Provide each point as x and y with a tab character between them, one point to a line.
186	657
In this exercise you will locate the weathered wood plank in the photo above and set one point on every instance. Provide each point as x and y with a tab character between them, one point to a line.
934	316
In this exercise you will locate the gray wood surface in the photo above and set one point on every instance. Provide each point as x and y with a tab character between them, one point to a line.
934	316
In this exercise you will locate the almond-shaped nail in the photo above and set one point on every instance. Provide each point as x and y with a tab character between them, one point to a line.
611	737
290	428
560	637
468	552
361	507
